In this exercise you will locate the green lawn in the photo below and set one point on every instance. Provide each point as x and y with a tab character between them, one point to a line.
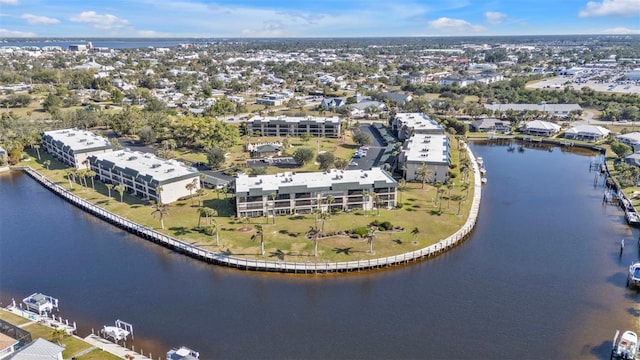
286	238
71	344
12	318
97	354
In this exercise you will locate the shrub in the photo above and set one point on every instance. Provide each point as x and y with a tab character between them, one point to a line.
360	231
386	225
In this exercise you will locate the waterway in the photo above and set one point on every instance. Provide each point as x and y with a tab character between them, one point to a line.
540	278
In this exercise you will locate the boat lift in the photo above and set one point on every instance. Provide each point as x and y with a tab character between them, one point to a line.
40	303
183	353
120	331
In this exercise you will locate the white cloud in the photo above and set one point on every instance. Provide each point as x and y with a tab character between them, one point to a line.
454	26
621	31
41	20
151	33
10	33
269	29
9	2
494	17
611	7
98	21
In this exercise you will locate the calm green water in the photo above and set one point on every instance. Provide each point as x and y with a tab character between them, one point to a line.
541	278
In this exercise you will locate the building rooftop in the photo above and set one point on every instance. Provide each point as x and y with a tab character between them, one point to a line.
418	121
146	164
428	148
295	119
38	349
78	140
312	180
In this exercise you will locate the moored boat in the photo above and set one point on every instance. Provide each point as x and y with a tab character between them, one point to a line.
633	276
626	347
183	353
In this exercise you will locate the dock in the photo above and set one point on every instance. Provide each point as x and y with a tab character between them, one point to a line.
115	349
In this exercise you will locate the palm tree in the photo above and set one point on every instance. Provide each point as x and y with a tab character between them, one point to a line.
449	187
458	198
120	189
36	147
259	233
200	193
415	232
159	190
47	163
190	186
437	185
272	198
109	187
402	186
366	195
69	174
161	211
215	228
330	199
314	233
440	195
371	234
92	174
423	173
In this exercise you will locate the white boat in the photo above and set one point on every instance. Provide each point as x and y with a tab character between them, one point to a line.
183	353
483	180
483	171
626	347
480	161
633	276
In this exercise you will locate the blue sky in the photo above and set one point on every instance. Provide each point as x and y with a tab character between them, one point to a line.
326	18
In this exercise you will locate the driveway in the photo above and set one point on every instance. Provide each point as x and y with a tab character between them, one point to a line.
373	155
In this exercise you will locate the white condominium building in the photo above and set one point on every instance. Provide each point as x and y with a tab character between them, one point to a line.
291	193
407	124
431	150
294	126
73	146
142	174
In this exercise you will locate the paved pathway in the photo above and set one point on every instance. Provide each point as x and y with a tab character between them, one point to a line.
115	349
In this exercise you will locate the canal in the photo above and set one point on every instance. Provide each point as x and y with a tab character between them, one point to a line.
541	277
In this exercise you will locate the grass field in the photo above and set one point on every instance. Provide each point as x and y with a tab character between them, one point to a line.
71	344
286	238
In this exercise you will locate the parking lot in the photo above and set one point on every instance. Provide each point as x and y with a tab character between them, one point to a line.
373	154
579	81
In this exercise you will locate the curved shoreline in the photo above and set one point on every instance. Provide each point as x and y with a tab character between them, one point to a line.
271	266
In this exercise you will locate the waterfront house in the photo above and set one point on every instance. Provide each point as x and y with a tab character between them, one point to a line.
540	128
143	173
430	149
491	124
294	126
7	344
303	193
73	146
38	349
587	133
631	139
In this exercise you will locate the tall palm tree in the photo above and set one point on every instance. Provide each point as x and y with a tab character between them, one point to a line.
36	147
458	198
272	198
449	187
371	234
216	229
330	199
109	187
161	211
437	185
120	189
200	193
69	174
423	173
259	233
190	186
47	163
415	232
314	233
402	186
92	174
159	190
366	196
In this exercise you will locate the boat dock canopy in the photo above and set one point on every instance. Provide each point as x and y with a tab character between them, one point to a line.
118	332
40	303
